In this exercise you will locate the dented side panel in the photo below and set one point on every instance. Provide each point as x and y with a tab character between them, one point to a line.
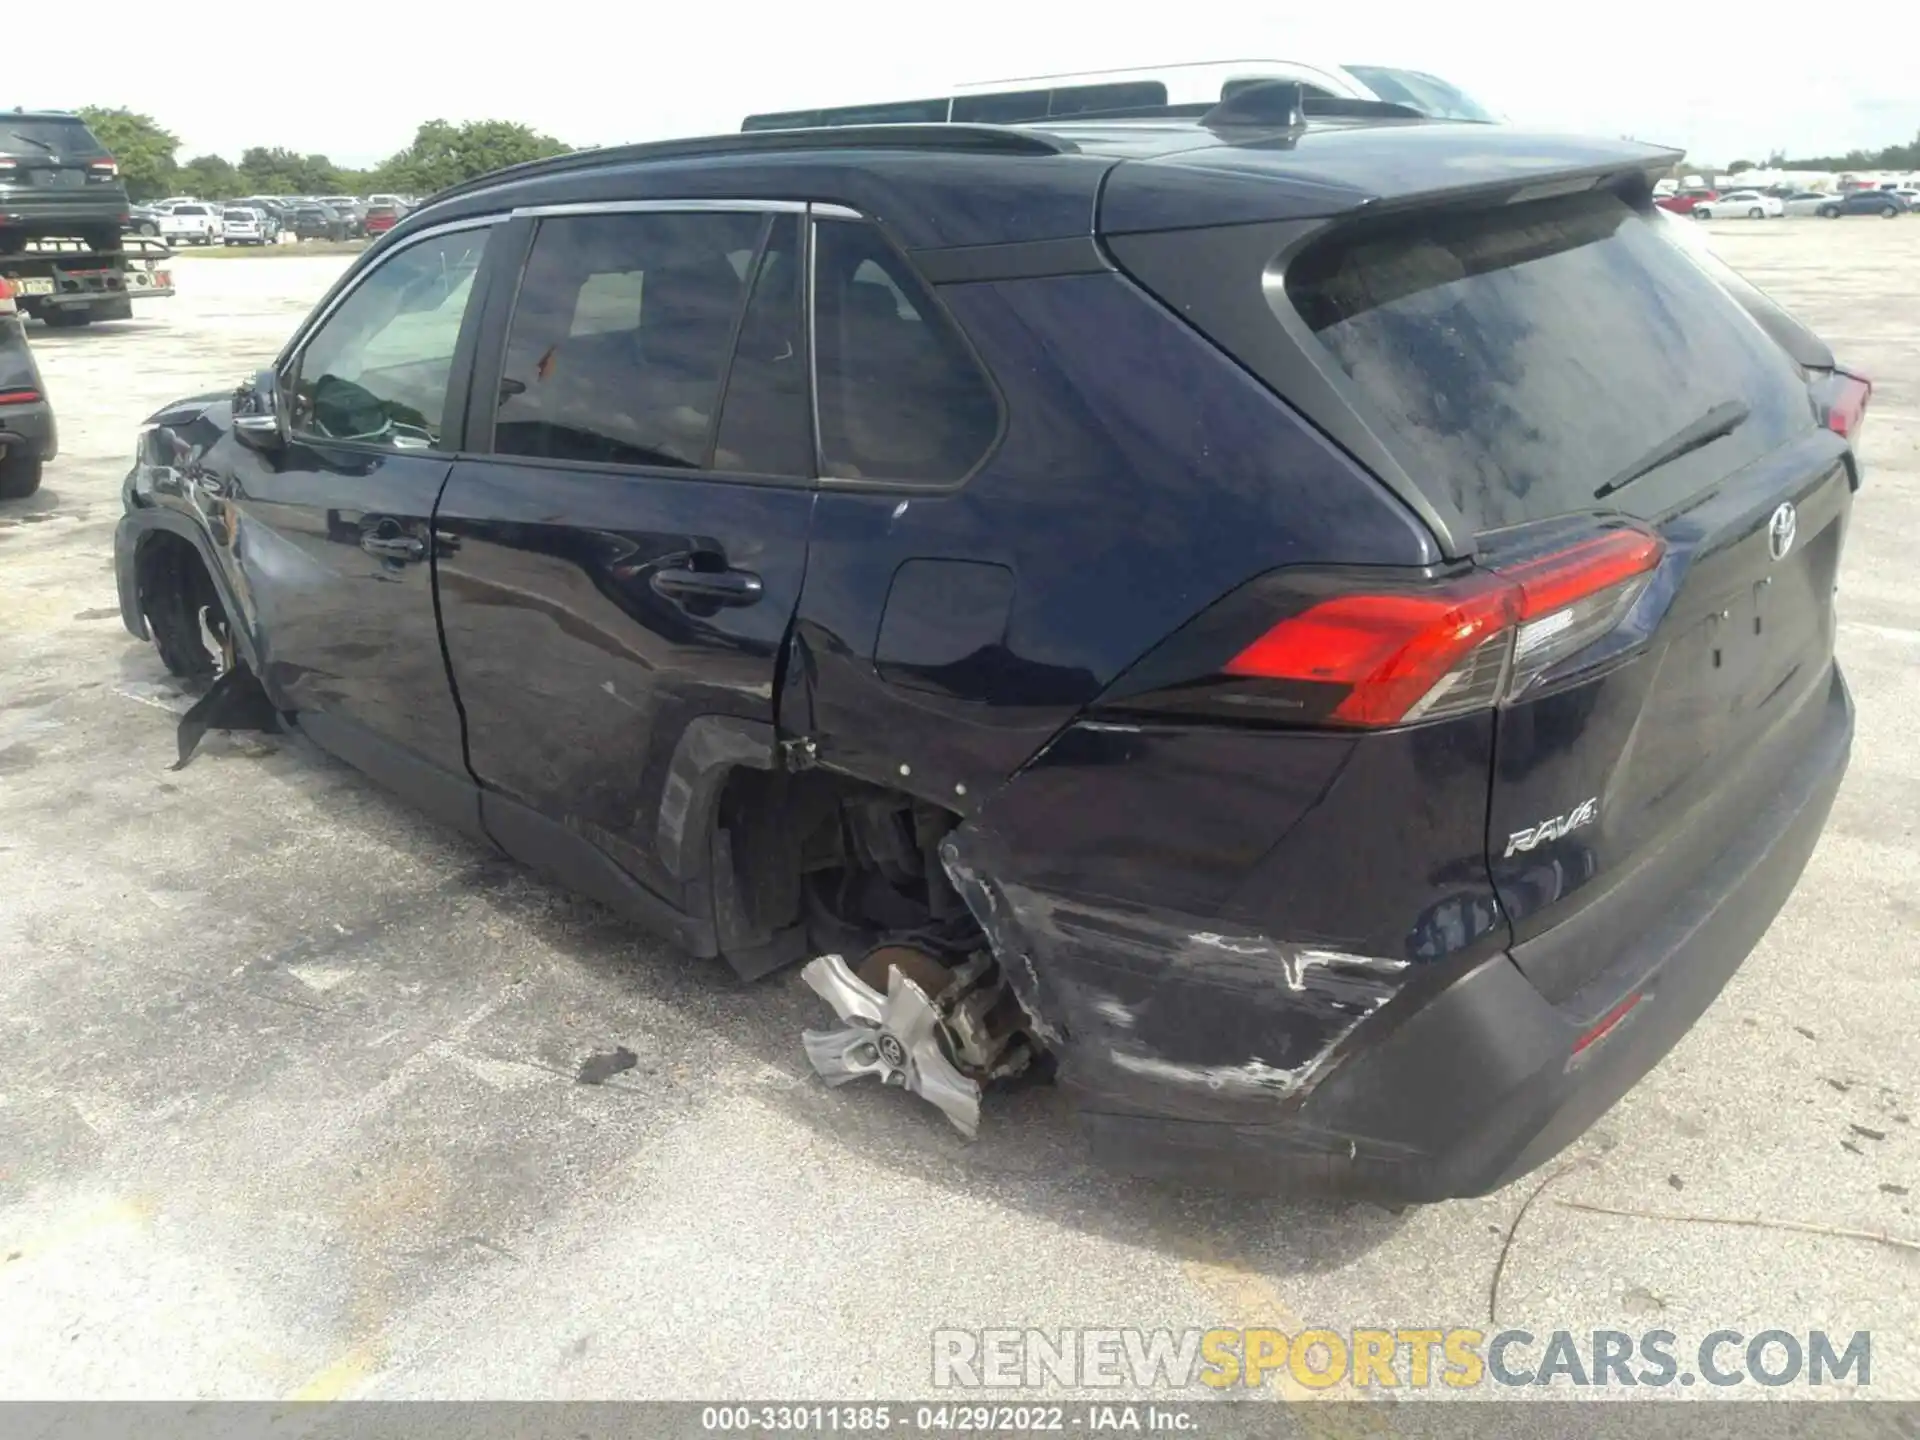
1200	916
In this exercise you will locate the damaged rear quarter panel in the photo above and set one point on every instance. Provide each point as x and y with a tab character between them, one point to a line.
1199	917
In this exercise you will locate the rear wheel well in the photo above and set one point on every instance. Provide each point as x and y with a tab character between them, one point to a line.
810	861
174	589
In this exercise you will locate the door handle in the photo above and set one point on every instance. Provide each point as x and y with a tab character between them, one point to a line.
714	587
394	547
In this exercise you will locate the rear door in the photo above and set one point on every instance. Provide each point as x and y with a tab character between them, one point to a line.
629	539
1556	369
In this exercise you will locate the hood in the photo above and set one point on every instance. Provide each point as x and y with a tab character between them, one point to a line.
216	405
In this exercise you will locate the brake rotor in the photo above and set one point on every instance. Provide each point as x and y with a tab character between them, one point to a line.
918	966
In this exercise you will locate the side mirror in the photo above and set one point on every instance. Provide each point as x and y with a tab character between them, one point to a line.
259	415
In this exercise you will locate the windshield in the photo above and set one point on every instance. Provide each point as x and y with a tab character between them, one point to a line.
245	217
1428	94
189	210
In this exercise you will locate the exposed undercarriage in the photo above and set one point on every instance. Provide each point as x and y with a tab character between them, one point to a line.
921	999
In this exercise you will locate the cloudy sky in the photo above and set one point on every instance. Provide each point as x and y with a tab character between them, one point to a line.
1726	80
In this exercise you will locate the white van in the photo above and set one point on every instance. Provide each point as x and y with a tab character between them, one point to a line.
1041	97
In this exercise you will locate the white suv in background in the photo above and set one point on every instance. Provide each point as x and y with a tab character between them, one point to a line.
192	224
240	225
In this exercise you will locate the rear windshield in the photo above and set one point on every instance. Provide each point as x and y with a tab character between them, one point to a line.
245	217
26	136
1524	357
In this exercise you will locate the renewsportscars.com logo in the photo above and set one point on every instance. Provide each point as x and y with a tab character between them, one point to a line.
1459	1359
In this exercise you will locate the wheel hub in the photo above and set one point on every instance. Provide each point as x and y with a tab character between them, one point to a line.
895	1036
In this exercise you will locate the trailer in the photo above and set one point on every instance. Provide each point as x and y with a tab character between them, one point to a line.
68	283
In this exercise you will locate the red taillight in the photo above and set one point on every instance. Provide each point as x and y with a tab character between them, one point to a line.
1404	655
1389	650
18	397
1846	404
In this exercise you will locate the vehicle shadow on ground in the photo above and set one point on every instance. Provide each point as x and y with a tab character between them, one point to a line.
1030	1154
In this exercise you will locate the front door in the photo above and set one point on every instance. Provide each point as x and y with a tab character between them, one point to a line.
630	540
335	540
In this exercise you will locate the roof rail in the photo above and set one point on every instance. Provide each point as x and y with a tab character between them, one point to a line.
975	139
1255	106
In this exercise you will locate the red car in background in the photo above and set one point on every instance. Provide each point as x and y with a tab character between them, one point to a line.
1681	202
381	218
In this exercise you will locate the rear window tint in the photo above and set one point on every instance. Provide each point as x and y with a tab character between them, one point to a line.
26	136
1521	358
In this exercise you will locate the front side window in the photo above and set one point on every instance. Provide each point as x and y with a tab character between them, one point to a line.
619	345
900	395
378	369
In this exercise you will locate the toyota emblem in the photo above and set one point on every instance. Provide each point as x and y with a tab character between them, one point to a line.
1781	529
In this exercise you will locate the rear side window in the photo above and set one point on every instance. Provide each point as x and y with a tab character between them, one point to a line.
1522	358
900	395
621	337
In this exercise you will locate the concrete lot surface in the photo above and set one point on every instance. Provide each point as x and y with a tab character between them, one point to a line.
288	1076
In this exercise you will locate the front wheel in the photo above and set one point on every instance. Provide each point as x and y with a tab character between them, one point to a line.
1756	213
19	476
1887	212
1828	212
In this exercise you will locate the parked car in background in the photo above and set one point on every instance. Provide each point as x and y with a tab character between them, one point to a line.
241	225
314	221
1884	203
381	218
1741	204
143	220
399	202
1682	202
1805	202
191	223
349	209
1912	197
1370	819
28	436
57	179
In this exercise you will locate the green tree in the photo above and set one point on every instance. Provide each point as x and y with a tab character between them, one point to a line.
1739	167
278	171
444	154
210	177
144	150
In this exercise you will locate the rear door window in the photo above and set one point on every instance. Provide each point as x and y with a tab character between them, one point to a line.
621	335
901	397
1525	357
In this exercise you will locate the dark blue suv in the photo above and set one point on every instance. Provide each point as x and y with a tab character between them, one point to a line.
1311	626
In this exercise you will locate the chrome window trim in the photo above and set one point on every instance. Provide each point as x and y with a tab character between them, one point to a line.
641	207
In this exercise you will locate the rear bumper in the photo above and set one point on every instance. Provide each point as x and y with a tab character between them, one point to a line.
1468	1077
57	211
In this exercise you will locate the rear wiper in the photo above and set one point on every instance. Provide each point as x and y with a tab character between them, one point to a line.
1723	419
31	140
